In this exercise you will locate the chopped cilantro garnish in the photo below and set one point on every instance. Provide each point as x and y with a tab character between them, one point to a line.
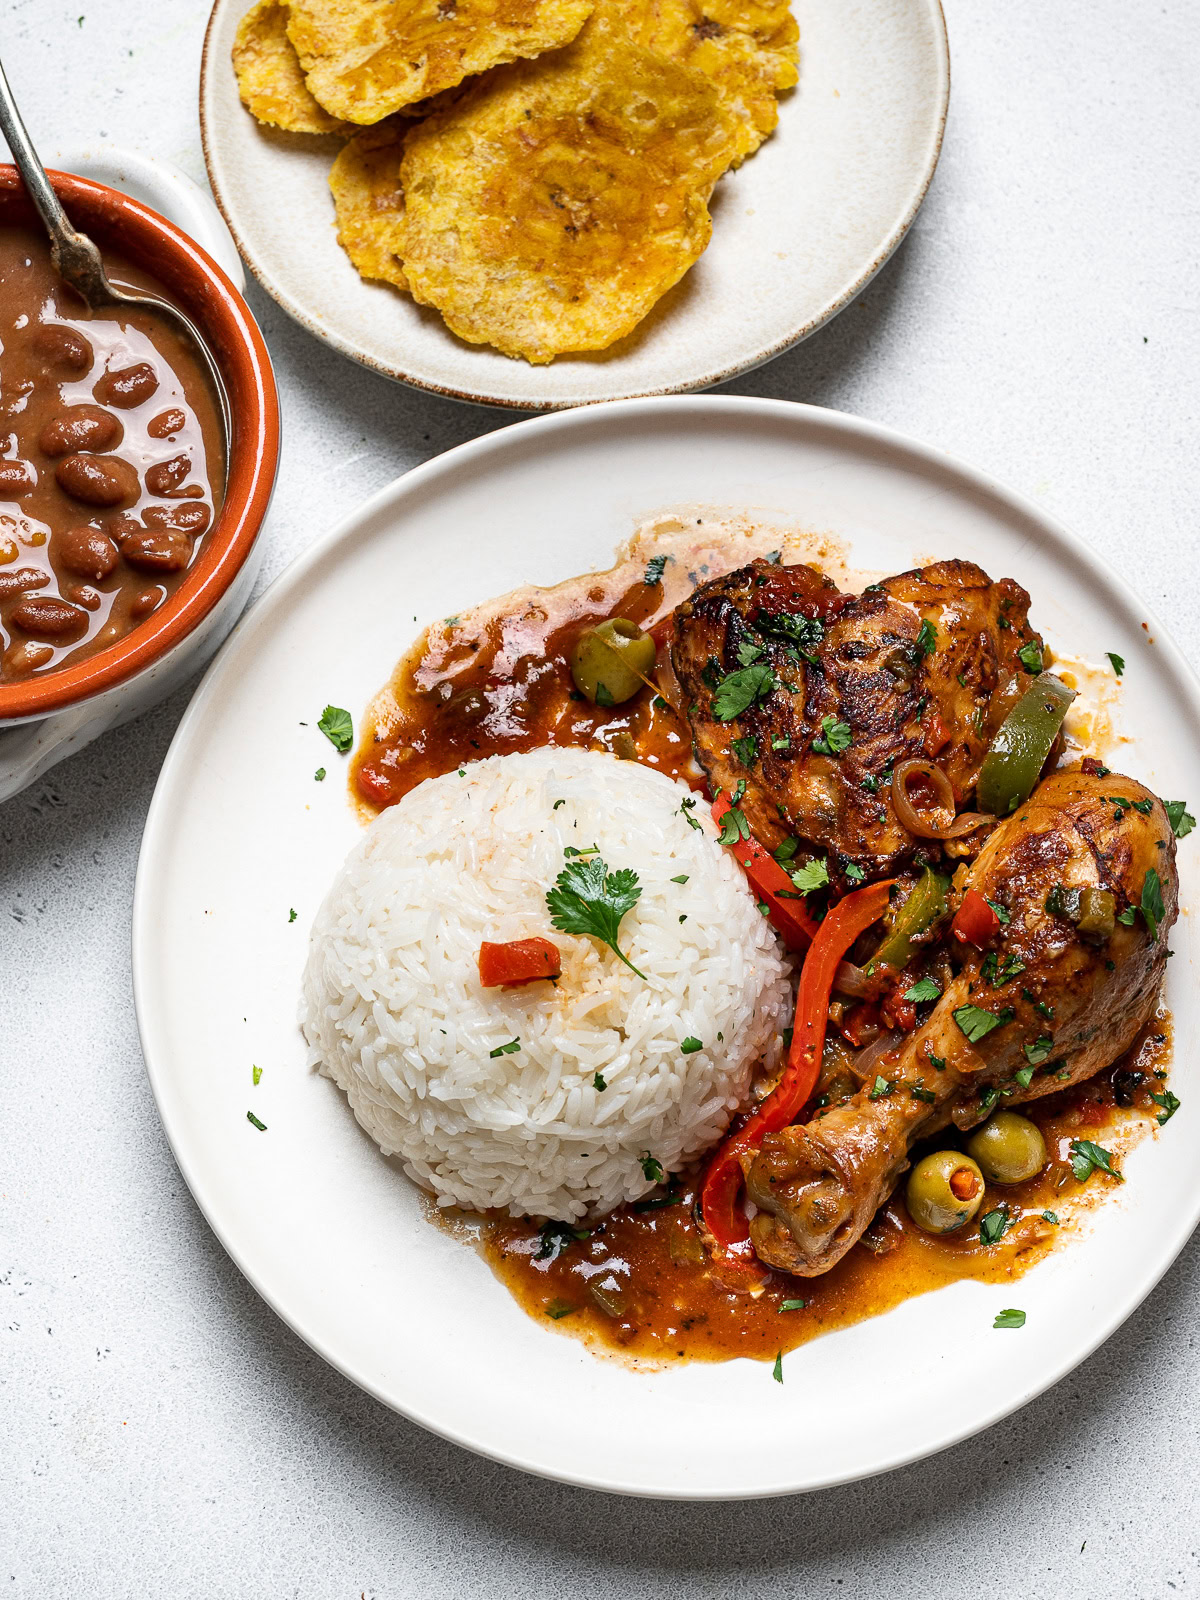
1010	1319
746	750
1030	657
977	1023
690	1045
1013	968
599	1083
854	873
1118	662
834	737
1127	916
1039	1050
920	1092
319	775
651	1169
1170	1105
509	1049
686	806
1152	901
813	875
777	1369
589	899
792	1305
261	1126
927	638
558	1309
739	690
682	878
748	653
786	851
992	1226
604	696
1023	1077
938	1063
1087	1158
654	571
1002	912
554	1237
879	1088
256	1074
734	826
292	914
1050	1216
338	727
924	989
1181	819
870	784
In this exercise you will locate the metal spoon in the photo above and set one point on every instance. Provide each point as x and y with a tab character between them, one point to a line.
77	260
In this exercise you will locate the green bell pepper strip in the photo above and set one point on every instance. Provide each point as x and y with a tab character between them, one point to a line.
1023	740
924	906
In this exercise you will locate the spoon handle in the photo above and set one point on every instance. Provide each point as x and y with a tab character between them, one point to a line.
74	255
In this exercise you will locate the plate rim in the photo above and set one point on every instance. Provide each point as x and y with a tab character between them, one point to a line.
1157	1260
832	308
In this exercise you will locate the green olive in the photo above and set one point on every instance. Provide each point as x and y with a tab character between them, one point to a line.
944	1191
1009	1148
610	661
1097	913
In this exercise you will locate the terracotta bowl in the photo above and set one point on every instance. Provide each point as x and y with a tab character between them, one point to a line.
61	711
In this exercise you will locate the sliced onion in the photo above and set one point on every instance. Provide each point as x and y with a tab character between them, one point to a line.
921	827
864	1063
857	983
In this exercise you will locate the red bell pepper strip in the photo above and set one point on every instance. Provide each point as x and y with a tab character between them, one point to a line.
725	1222
975	922
788	916
518	961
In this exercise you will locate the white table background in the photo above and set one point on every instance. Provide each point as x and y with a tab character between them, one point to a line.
161	1433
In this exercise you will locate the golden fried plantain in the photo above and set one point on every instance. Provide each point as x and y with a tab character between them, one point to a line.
748	48
367	58
269	78
558	200
366	193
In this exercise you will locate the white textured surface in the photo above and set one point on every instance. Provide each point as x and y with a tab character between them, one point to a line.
160	1433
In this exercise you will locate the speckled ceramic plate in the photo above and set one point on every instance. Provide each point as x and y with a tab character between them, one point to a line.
332	1235
798	230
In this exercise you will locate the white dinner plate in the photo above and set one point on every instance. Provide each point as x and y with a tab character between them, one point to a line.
239	834
798	230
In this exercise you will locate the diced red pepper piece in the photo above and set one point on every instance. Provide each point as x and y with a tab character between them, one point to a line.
503	966
787	912
975	922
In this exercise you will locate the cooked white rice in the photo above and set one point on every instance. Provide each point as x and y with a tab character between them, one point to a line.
395	1014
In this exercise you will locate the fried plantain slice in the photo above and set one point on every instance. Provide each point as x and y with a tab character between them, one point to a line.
269	78
367	198
551	208
367	58
748	48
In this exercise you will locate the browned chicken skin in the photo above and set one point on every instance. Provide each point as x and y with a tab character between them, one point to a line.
1076	1002
903	690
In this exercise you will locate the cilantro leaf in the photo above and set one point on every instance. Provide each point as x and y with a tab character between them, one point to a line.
599	1083
739	690
1013	967
1039	1050
792	1305
1050	1216
1118	662
1010	1319
690	1045
554	1237
686	806
1030	657
748	653
1181	819
834	737
558	1309
587	898
927	638
1023	1077
813	875
256	1074
1152	901
1087	1158
854	873
338	727
319	775
879	1089
509	1049
654	571
777	1369
651	1168
734	826
261	1126
1170	1104
992	1226
924	989
746	750
977	1023
805	632
1004	914
786	851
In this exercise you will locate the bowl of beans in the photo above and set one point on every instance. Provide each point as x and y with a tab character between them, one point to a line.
128	530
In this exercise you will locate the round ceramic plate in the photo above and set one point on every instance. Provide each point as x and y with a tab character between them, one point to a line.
239	834
798	230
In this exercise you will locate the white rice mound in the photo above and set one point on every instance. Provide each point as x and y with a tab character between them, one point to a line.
395	1014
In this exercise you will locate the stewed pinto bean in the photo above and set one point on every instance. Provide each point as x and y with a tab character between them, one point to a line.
167	424
47	618
80	428
85	551
98	480
167	477
152	549
63	347
191	518
17	479
131	386
104	530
